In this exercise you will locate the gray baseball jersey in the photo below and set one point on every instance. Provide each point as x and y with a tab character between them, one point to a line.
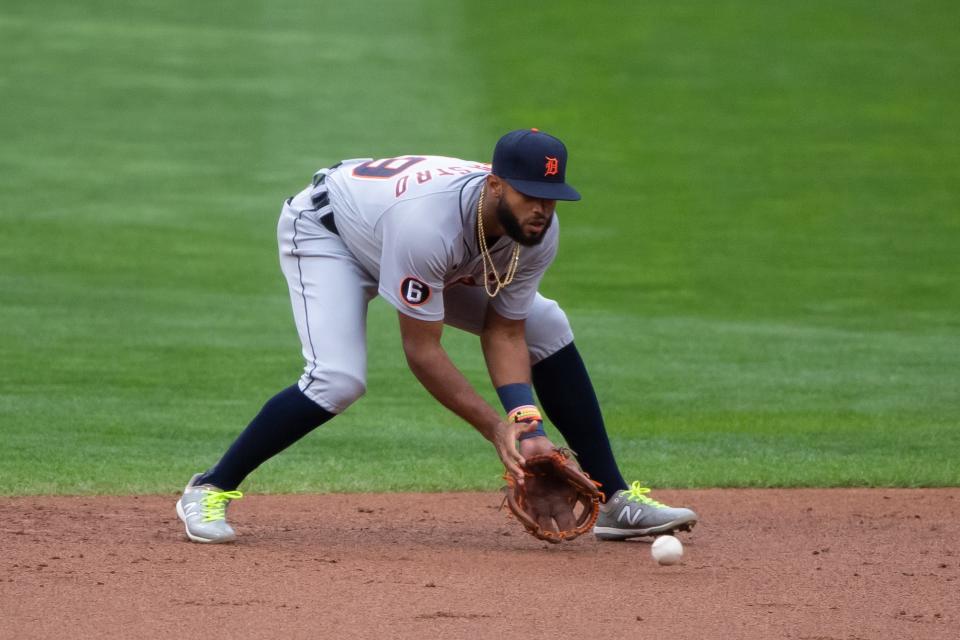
411	222
406	228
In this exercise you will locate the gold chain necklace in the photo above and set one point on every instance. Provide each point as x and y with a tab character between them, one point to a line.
487	258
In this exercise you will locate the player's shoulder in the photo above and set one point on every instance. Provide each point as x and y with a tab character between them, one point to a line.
440	191
431	215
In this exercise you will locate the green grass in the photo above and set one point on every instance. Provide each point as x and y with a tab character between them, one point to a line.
763	273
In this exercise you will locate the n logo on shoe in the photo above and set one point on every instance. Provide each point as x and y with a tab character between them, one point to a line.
631	518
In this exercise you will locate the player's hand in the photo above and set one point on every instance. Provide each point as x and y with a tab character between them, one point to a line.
558	501
536	446
550	504
505	442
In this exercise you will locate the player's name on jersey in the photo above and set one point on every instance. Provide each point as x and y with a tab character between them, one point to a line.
406	173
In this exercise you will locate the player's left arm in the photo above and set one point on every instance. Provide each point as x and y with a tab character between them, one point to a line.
507	356
505	347
505	350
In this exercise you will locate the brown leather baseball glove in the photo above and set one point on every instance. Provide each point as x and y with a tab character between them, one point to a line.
557	500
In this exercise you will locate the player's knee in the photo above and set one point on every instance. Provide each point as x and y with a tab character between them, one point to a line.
345	389
548	329
334	391
546	322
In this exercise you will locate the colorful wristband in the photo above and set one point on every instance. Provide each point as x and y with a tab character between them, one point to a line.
526	413
517	400
529	415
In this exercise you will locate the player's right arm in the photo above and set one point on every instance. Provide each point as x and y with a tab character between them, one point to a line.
432	366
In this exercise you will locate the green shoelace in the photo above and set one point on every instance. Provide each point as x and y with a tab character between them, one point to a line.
215	504
637	493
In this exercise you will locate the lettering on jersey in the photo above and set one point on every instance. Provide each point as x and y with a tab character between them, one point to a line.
429	174
414	292
400	168
386	167
552	167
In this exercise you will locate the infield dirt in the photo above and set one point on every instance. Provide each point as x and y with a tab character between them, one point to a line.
800	564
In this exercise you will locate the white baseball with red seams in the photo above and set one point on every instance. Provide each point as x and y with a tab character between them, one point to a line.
667	550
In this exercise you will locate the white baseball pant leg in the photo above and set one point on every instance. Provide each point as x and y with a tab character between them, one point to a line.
547	327
329	291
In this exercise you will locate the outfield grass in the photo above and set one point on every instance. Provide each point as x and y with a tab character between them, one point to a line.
763	273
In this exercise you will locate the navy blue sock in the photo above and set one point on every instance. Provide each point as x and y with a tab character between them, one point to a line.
567	397
284	419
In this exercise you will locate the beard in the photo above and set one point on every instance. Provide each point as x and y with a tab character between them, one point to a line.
514	231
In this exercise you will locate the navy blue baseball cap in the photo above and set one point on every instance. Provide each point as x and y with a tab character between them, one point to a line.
534	163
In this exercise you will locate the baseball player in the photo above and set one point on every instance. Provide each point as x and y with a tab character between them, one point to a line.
446	242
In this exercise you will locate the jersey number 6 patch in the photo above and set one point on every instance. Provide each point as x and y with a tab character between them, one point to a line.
414	292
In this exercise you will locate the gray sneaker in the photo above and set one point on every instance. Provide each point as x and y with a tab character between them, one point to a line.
629	513
203	509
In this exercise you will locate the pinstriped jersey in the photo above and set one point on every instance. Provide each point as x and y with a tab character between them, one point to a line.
411	221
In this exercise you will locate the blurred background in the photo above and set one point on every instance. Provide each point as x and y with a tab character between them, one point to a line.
762	274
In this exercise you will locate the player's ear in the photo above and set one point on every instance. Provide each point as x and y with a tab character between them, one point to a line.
495	186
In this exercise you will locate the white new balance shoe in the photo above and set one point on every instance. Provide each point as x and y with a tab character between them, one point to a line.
203	510
630	513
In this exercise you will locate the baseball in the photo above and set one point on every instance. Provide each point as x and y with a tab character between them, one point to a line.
667	550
